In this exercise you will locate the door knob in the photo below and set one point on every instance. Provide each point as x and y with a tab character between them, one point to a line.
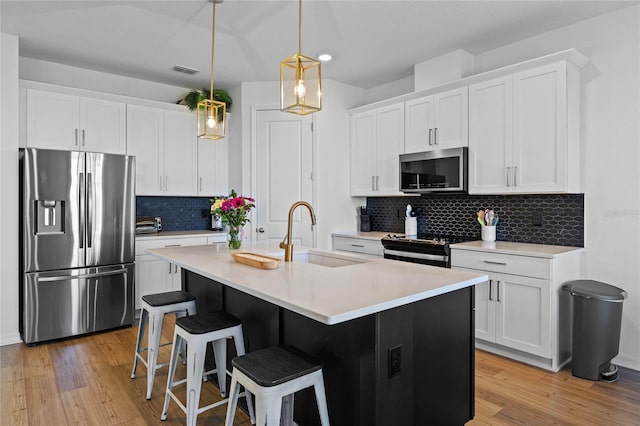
260	230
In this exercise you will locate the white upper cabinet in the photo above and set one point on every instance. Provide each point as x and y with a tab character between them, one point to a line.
524	132
165	145
213	166
377	140
438	121
69	122
490	136
180	153
145	140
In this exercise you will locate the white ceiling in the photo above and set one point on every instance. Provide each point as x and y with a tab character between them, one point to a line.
372	42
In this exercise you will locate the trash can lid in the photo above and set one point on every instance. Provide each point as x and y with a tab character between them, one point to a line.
595	290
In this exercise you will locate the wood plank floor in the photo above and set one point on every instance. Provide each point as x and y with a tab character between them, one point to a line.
87	381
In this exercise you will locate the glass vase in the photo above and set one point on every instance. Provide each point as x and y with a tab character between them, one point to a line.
235	237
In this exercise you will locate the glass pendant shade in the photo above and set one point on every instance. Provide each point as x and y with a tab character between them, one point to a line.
300	85
211	119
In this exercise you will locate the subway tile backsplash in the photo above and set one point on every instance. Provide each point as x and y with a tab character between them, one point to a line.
177	213
455	214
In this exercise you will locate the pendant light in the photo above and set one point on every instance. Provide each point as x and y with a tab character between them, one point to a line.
300	84
211	113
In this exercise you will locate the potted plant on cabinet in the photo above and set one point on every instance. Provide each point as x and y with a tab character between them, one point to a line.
192	98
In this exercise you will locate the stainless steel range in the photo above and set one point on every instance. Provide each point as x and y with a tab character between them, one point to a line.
426	249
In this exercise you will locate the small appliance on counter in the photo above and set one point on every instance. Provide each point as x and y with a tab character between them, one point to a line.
411	223
365	223
216	222
148	224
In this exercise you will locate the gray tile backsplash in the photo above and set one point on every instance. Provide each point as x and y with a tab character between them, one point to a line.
455	214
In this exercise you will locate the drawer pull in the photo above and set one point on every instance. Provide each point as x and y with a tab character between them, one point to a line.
495	263
173	245
357	245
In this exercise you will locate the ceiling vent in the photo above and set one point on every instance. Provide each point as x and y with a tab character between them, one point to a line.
185	70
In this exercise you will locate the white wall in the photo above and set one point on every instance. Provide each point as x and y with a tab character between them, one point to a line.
81	78
8	190
611	149
331	155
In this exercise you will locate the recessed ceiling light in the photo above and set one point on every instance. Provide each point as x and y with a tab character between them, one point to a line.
324	57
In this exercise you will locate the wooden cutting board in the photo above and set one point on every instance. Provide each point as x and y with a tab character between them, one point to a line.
256	260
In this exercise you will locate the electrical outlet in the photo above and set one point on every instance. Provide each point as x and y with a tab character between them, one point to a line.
536	218
395	361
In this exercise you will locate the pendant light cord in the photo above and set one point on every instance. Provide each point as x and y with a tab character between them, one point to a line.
213	39
299	27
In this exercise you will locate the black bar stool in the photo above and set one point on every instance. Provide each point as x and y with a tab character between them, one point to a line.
273	375
197	331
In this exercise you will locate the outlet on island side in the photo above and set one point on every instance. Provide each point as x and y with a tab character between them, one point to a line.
394	357
536	218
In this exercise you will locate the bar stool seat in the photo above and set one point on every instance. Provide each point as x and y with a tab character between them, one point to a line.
273	375
197	331
153	309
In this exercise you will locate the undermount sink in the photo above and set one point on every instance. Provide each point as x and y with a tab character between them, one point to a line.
330	260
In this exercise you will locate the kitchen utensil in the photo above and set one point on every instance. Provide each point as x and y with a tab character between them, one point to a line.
489	217
481	217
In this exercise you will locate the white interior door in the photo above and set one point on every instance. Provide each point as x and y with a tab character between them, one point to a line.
284	166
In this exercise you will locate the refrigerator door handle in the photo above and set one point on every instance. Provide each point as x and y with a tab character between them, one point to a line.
91	275
82	208
90	210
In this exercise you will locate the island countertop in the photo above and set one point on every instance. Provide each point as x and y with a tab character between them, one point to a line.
330	295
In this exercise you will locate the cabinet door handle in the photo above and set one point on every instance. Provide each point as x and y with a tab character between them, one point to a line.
160	180
495	263
83	139
175	269
76	132
435	136
490	285
166	183
515	174
169	267
377	183
430	131
373	183
200	184
357	245
508	173
498	290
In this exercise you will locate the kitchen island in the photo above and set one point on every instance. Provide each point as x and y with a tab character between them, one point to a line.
396	339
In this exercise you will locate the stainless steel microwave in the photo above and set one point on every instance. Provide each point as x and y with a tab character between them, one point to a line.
442	170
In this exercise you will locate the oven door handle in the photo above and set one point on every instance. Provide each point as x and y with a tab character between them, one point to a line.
413	255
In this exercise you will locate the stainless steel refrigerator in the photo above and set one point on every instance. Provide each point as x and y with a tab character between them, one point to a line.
77	220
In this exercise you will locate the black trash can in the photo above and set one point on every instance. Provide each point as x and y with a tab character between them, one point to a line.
597	315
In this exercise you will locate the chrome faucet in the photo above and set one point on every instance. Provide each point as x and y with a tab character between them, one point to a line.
287	246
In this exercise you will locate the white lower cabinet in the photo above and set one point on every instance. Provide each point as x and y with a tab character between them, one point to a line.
154	275
514	311
522	311
357	245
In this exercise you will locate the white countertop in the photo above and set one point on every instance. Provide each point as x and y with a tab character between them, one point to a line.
522	249
325	294
373	235
179	234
